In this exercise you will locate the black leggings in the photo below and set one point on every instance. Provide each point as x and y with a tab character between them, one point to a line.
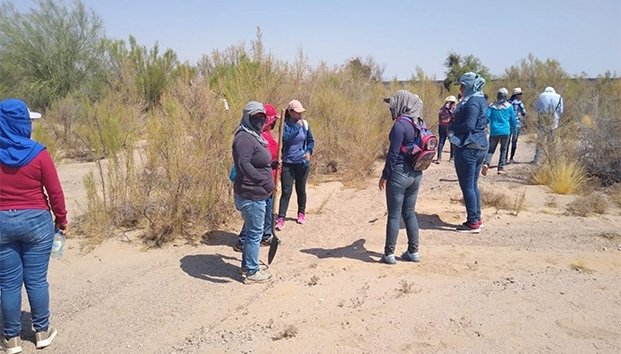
293	173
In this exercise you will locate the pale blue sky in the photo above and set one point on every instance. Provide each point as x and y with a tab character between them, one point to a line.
583	35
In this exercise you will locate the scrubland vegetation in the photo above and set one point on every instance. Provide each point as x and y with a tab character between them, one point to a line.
160	136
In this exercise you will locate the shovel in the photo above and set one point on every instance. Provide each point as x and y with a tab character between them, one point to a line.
275	240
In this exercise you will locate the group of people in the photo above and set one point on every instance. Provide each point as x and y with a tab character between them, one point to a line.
256	165
32	202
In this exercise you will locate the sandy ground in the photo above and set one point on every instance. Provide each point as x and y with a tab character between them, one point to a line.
511	289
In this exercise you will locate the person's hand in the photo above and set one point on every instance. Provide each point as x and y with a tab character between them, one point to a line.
307	156
275	164
382	184
63	228
300	122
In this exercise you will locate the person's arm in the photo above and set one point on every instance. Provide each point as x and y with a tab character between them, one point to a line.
559	106
471	114
310	142
51	183
291	131
396	136
539	108
523	109
512	118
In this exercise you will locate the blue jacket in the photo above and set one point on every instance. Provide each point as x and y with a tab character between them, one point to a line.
468	128
297	140
501	118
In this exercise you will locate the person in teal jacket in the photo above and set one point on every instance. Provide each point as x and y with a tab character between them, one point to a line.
502	121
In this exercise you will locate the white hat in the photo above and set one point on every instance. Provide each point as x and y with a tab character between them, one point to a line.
517	91
450	99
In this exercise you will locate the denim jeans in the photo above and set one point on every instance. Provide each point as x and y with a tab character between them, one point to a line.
443	132
468	164
253	212
293	173
513	139
267	224
26	238
401	192
503	140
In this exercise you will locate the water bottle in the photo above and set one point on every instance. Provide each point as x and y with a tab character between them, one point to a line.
58	245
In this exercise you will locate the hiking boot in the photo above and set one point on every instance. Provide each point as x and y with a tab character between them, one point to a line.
410	257
12	345
239	247
267	240
469	228
301	218
390	259
280	223
45	338
259	276
484	169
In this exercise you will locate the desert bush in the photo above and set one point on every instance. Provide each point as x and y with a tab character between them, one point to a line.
560	175
594	203
50	52
494	199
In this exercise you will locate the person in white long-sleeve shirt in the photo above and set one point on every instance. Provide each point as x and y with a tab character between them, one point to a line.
549	107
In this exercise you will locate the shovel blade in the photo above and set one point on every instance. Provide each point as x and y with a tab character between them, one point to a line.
273	248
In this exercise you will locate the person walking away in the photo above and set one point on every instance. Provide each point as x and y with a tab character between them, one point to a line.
253	185
298	145
520	116
272	147
29	187
549	107
445	118
467	133
501	117
399	179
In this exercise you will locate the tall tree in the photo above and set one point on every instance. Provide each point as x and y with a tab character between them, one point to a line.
457	65
50	51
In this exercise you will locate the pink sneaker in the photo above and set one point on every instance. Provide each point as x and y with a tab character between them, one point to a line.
280	223
301	218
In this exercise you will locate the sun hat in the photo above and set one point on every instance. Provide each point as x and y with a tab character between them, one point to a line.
517	91
450	98
295	105
503	91
17	109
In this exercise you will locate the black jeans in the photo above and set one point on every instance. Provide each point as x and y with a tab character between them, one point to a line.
443	132
293	173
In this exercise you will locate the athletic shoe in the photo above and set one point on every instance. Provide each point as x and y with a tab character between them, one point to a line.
280	223
390	259
259	276
451	160
484	169
469	228
437	162
501	171
45	338
267	240
12	345
512	161
239	247
480	224
410	257
301	218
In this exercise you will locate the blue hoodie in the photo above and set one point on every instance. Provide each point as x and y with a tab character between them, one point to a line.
501	116
16	147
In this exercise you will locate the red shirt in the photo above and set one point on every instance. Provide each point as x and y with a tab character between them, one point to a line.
272	147
23	187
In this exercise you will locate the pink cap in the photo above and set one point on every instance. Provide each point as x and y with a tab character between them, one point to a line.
296	105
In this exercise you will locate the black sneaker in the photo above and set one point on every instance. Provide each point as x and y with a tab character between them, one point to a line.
469	228
239	247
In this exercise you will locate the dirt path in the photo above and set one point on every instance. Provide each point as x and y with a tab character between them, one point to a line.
513	288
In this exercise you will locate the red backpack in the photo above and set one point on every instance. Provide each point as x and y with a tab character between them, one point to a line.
420	154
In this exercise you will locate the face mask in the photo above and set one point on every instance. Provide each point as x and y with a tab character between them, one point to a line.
257	121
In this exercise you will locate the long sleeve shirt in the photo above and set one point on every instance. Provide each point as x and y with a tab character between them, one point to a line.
34	186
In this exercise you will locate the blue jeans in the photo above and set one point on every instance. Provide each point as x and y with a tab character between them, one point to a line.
468	164
443	132
26	238
253	212
267	224
515	135
503	140
401	192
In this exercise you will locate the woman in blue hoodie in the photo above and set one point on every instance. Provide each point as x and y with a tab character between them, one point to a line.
501	116
467	133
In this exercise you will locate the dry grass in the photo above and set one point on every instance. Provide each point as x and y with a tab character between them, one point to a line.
494	199
594	203
561	176
520	203
580	265
290	331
